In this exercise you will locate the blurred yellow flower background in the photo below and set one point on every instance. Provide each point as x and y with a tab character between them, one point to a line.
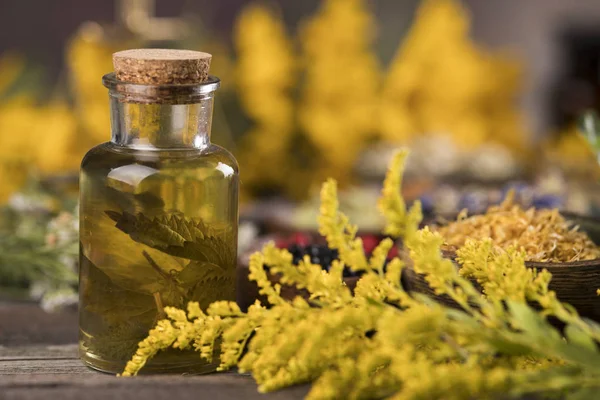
441	82
312	101
341	85
32	137
89	57
265	75
333	93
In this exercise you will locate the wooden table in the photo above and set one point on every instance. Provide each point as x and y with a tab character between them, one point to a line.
38	360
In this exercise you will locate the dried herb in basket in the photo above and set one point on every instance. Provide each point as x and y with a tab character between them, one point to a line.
544	235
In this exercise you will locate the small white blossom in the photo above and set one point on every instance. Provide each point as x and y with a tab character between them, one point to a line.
59	299
246	234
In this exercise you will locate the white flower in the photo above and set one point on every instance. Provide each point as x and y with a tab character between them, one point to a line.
59	299
491	162
246	234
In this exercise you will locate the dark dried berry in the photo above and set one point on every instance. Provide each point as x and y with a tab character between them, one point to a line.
319	254
314	250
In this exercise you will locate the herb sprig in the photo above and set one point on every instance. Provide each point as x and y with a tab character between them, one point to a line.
383	342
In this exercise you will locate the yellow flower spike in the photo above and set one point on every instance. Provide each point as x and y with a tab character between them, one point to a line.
394	271
258	274
327	288
340	234
187	330
391	204
89	56
54	135
424	95
194	311
159	338
425	253
332	89
380	254
265	75
36	139
383	343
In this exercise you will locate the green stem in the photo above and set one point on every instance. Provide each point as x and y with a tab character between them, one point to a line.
165	275
464	354
154	265
159	306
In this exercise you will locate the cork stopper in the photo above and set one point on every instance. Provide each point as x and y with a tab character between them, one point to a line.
161	66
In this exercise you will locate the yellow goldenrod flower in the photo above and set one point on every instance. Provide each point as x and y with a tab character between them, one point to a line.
36	139
339	95
89	57
264	77
440	82
382	342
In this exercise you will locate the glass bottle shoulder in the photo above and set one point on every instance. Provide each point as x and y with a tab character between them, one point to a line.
109	156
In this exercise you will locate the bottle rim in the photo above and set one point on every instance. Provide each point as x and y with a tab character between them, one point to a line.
170	94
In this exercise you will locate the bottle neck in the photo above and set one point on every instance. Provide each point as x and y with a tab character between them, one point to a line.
152	126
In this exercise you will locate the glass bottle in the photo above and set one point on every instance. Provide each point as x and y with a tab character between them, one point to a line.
158	221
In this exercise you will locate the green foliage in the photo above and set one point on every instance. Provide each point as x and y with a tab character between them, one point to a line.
152	263
121	339
103	298
25	259
589	126
175	235
169	255
38	247
382	342
125	261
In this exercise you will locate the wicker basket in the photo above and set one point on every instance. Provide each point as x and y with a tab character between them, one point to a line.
574	282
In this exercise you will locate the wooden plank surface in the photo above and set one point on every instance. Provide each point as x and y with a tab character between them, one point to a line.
38	360
26	324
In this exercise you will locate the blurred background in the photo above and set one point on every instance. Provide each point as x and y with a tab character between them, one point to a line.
486	94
